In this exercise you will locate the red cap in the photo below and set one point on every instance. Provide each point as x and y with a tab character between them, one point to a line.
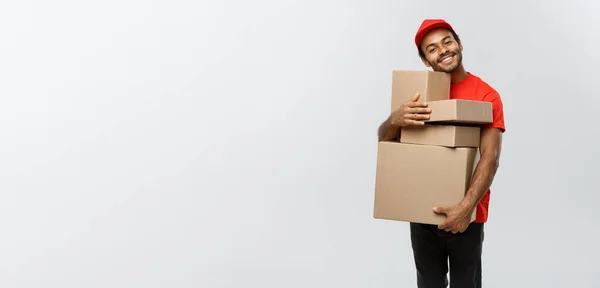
428	25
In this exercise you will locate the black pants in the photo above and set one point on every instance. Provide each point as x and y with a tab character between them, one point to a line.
434	248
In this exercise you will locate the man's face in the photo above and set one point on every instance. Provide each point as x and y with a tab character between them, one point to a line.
442	52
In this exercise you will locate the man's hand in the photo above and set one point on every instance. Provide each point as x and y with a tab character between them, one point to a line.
411	113
458	218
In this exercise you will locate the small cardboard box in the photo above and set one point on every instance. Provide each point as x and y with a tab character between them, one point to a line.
460	111
442	135
431	86
411	179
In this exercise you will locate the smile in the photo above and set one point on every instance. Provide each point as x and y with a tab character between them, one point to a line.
447	59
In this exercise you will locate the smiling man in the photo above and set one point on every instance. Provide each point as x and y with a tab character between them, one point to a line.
456	241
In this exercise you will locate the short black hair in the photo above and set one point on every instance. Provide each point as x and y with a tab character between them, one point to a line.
422	54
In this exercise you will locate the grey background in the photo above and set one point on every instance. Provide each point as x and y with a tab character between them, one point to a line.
233	143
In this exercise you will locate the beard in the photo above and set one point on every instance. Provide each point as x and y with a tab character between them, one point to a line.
437	65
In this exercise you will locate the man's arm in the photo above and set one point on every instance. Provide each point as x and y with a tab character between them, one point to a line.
489	161
387	131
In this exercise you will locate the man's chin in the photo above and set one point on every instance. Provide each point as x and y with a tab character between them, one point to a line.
445	70
449	69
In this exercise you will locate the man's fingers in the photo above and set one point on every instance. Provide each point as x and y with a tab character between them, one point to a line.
416	104
459	229
441	210
416	116
422	110
415	98
414	122
443	226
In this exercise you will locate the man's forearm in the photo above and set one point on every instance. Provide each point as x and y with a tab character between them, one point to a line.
482	179
387	131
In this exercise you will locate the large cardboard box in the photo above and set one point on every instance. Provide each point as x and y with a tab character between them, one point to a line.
442	135
460	111
411	179
431	85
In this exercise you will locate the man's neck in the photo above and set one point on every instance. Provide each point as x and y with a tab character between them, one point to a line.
458	75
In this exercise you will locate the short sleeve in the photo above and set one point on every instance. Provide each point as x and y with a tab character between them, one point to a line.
497	110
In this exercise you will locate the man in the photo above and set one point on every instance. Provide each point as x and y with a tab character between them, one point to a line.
456	240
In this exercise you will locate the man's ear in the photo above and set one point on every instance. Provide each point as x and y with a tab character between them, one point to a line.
460	46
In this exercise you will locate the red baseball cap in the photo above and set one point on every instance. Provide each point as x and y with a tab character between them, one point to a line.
428	25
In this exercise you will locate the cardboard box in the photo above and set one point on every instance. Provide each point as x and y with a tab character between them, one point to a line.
460	111
411	179
431	86
441	135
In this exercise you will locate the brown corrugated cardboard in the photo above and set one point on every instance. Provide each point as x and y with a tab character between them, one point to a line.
411	179
431	86
460	111
441	135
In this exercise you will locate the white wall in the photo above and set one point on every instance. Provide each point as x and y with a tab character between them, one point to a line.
233	143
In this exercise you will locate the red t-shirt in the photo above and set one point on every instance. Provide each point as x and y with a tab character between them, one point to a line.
473	88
